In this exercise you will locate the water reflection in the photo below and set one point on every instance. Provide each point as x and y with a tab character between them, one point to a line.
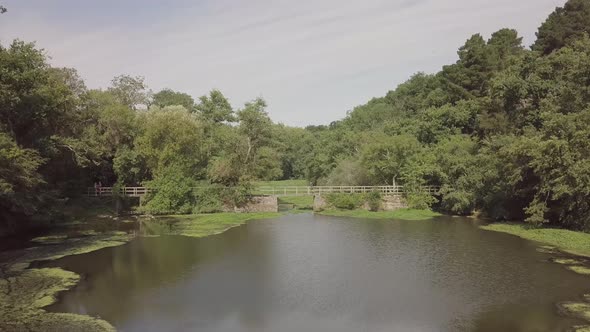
315	273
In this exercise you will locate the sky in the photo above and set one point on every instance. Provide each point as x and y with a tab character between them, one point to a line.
311	60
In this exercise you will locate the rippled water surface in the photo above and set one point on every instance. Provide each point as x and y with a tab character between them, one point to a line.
317	273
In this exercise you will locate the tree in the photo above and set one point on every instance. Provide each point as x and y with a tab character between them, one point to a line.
565	25
386	158
130	91
171	137
215	108
168	97
255	125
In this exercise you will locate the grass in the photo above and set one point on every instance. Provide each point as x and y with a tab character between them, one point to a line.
281	184
299	202
403	214
208	224
576	243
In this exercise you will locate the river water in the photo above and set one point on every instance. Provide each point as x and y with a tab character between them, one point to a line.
316	273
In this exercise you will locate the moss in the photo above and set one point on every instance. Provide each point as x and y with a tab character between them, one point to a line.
404	214
50	239
567	261
581	328
577	309
25	292
577	243
208	224
580	269
23	296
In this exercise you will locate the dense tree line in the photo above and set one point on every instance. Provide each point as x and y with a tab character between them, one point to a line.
504	130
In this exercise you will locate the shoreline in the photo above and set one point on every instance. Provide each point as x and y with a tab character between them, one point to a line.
26	290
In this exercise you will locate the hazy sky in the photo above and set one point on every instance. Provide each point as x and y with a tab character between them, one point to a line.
312	60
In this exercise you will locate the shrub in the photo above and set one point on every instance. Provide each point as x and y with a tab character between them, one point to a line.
208	200
374	200
345	201
420	200
173	193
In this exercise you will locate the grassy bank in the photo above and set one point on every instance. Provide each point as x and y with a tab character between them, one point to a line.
403	214
576	243
208	224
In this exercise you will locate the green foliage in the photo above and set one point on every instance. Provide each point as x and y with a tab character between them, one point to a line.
168	97
374	200
215	108
419	200
208	199
173	193
170	137
503	130
563	26
130	91
345	201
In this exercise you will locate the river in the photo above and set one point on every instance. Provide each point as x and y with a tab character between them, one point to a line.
307	272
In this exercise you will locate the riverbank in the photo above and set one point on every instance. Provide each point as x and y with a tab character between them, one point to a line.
403	214
558	241
576	243
201	225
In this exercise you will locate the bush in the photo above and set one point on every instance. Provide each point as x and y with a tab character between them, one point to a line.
374	200
208	200
458	202
420	200
345	201
173	193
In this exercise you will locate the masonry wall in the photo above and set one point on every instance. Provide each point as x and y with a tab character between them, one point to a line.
388	203
258	204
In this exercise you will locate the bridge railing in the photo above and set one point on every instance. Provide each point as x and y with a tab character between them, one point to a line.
278	191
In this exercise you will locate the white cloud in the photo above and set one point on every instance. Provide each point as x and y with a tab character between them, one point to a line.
311	59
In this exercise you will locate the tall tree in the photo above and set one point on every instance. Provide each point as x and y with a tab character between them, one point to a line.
563	26
215	108
168	97
130	91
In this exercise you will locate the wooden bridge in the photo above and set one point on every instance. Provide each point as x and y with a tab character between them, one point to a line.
272	191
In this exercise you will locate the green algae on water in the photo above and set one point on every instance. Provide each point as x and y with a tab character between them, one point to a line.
577	309
577	243
580	269
402	214
25	292
23	296
201	225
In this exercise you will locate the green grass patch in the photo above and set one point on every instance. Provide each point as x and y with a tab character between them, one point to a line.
576	243
281	183
298	202
200	225
403	214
